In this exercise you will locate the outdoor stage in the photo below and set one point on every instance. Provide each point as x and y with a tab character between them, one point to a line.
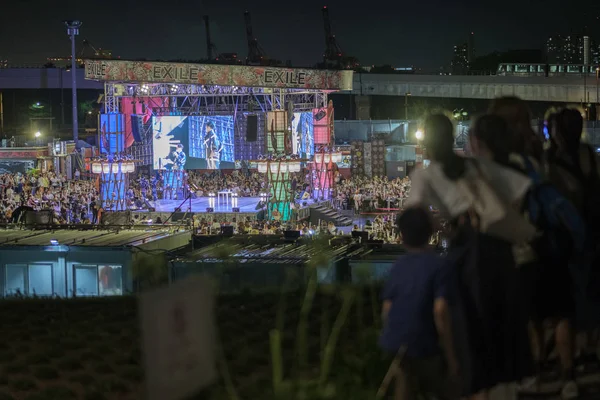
199	205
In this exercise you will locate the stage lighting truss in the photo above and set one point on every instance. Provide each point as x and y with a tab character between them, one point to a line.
203	99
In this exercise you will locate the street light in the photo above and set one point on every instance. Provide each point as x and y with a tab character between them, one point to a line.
72	31
419	135
38	134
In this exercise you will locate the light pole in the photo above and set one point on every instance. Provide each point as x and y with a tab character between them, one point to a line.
72	31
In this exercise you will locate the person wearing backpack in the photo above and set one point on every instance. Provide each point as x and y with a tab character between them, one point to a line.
544	262
573	167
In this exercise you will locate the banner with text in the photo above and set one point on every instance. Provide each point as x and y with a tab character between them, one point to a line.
214	74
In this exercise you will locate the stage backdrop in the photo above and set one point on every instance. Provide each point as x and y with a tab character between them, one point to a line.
169	131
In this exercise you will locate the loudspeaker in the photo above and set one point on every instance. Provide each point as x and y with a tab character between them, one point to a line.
291	235
235	209
116	218
137	127
251	128
227	230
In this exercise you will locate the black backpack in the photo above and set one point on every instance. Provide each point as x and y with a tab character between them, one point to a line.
591	193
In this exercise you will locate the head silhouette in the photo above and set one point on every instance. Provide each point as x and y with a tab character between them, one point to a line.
439	142
489	138
517	116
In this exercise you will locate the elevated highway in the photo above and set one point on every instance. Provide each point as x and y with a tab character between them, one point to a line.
567	88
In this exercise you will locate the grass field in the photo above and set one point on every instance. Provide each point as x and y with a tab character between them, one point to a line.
57	349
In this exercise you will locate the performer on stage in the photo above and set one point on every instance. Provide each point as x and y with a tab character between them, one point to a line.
177	158
213	147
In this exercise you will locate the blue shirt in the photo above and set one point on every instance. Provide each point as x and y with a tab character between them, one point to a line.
415	281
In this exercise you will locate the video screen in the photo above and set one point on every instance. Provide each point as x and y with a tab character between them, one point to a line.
193	142
303	134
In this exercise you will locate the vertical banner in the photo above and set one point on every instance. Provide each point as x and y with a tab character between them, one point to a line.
367	160
277	132
357	156
321	126
111	133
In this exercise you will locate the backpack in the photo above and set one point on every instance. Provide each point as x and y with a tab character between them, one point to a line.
591	193
562	228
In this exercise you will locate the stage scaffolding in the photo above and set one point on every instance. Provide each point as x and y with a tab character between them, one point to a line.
193	99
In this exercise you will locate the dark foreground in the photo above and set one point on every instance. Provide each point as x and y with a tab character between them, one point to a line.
55	349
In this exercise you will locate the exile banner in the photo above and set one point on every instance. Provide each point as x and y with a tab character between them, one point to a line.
214	74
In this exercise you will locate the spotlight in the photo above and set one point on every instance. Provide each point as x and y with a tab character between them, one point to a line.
54	242
419	135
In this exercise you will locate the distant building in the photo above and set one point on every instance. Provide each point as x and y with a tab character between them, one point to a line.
572	49
464	55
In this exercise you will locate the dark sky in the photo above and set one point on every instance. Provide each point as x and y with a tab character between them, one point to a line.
416	32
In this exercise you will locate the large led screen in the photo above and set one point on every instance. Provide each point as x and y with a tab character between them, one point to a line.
195	142
303	134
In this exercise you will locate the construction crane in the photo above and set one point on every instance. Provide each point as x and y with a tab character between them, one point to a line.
211	49
256	55
96	53
333	56
333	53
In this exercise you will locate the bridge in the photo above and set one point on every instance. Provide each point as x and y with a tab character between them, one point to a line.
532	87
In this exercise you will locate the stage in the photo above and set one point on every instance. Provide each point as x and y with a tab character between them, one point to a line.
200	204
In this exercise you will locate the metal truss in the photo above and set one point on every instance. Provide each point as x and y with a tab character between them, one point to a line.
202	99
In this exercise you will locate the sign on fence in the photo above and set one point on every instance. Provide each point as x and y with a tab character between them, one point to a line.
178	334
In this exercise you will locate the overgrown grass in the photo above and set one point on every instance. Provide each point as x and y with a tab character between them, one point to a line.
89	348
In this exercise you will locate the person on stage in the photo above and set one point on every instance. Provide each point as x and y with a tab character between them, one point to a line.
178	158
213	147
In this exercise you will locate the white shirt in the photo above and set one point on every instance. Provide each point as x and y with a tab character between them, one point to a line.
431	187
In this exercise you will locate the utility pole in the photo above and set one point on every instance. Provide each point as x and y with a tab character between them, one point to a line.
72	31
1	113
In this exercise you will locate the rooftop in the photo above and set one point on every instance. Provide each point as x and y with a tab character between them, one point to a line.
83	238
265	249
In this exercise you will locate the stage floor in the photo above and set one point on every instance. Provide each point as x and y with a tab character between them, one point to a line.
200	204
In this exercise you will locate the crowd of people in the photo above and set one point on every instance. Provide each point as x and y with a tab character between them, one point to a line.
364	194
523	236
71	201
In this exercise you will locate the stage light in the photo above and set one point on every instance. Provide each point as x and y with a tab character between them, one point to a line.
54	242
38	134
419	135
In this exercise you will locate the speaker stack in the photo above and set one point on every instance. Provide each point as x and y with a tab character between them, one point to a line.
378	157
357	155
251	128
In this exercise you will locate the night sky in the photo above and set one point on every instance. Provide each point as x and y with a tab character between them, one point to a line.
420	33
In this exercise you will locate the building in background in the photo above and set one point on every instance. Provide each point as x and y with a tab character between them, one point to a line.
464	55
572	49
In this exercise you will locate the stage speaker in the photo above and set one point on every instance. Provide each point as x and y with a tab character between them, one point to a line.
251	128
116	218
137	127
42	217
210	210
179	216
235	209
227	231
291	235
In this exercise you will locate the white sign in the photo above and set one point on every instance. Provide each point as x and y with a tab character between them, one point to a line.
178	333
